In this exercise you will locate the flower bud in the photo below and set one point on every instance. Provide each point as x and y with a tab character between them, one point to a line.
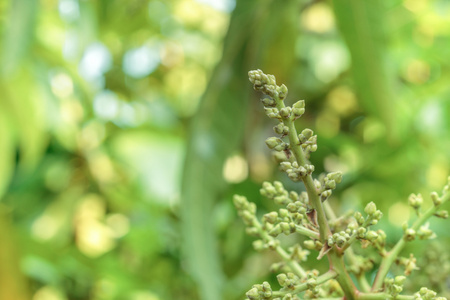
309	244
282	279
271	217
370	209
259	245
253	294
435	198
282	92
307	133
298	112
443	214
285	112
299	104
410	234
272	142
371	236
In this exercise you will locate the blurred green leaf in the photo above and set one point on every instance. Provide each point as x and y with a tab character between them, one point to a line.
7	155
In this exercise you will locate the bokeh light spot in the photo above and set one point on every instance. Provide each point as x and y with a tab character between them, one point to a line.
95	62
48	293
62	85
318	18
398	213
141	62
106	105
235	169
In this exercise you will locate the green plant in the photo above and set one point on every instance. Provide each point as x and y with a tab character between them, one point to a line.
309	214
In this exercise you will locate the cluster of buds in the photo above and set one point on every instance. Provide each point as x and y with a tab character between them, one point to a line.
415	201
276	144
293	218
410	264
394	286
308	140
327	184
296	172
289	280
246	210
426	294
260	292
361	265
267	84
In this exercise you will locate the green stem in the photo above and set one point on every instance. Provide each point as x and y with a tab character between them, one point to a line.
336	261
307	232
388	260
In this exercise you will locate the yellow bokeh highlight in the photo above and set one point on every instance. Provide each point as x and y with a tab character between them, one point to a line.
143	295
186	84
94	238
119	225
328	124
342	100
235	169
373	130
417	71
318	18
437	174
399	213
61	85
48	293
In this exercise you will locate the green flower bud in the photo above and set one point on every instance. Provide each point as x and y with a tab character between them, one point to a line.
282	279
283	213
268	102
370	209
307	133
443	214
285	165
361	232
309	244
298	112
278	128
252	231
340	241
259	245
292	207
278	186
330	185
240	202
336	176
276	231
399	280
248	217
330	241
273	244
285	112
272	142
270	217
253	294
371	236
299	104
311	283
410	234
435	198
282	92
415	201
281	147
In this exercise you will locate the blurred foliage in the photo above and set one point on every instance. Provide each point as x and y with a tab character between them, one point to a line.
126	126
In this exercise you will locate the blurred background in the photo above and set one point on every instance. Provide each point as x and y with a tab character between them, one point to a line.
127	126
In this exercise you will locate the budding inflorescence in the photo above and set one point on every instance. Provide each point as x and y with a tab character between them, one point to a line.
303	213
